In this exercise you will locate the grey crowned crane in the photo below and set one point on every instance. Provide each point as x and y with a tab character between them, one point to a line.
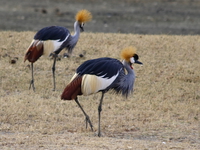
52	40
102	75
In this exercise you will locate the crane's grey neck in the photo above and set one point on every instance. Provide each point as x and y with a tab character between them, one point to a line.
128	68
73	39
76	31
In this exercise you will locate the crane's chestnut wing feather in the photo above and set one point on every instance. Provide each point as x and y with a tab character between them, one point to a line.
105	67
52	33
72	89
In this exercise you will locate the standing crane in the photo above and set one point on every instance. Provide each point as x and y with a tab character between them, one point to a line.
52	40
102	75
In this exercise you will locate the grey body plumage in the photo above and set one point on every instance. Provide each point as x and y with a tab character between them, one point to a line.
125	82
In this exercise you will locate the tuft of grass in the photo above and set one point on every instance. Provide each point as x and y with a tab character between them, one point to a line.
163	111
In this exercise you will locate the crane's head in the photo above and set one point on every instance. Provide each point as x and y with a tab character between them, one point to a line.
83	16
129	55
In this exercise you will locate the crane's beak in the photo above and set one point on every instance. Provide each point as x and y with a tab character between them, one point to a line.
138	62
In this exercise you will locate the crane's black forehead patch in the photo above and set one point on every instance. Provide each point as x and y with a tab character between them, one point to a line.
135	56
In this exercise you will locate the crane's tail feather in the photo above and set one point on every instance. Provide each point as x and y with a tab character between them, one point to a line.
34	51
72	89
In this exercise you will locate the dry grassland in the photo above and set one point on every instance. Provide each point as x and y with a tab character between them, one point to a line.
163	112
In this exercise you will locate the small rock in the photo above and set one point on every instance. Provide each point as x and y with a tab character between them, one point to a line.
44	11
81	55
13	61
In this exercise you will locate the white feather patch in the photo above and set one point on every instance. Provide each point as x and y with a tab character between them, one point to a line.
57	44
36	43
30	45
48	47
75	75
52	45
132	60
92	84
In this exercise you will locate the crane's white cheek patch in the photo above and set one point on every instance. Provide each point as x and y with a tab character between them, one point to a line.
92	84
132	60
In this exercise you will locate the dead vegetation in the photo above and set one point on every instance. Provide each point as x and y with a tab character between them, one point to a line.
163	112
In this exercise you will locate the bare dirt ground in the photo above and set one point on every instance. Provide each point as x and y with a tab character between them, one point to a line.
127	16
163	112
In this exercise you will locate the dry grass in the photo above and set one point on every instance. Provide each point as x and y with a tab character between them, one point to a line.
163	112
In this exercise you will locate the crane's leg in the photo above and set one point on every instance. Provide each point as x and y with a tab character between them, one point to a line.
53	71
99	111
32	80
87	118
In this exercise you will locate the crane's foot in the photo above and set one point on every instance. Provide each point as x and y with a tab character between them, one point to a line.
52	55
32	84
87	120
99	134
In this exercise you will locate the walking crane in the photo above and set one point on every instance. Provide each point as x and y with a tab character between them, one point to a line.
52	40
102	75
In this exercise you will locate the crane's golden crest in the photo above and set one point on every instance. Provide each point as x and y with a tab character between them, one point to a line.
128	52
83	16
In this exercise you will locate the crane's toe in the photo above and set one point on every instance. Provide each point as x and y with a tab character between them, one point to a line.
32	84
87	119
